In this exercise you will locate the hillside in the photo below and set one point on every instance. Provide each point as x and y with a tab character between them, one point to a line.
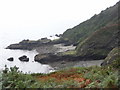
83	30
100	43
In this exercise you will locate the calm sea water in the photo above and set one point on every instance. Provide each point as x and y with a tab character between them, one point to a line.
30	67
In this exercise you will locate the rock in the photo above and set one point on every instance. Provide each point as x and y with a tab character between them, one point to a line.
52	58
58	35
44	38
29	44
63	62
41	56
10	59
112	58
24	58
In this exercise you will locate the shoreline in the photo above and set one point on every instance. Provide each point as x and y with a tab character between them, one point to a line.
59	48
58	62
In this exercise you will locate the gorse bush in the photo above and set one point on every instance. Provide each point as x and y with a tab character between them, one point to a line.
13	78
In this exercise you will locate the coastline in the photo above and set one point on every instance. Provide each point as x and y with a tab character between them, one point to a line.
61	62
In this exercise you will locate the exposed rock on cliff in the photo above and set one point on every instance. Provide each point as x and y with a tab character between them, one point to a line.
113	58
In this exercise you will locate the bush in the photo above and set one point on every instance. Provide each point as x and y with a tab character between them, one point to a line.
81	77
13	78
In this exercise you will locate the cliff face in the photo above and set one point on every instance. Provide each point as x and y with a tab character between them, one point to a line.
80	32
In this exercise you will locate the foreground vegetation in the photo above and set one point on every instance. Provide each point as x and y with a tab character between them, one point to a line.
80	77
0	80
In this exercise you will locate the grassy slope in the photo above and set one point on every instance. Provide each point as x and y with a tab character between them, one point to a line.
100	43
83	30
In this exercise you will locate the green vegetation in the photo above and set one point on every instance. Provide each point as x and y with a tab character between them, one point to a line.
100	43
83	30
81	77
0	80
71	52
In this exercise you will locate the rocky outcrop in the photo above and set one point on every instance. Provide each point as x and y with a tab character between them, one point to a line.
51	58
112	58
58	35
32	44
24	58
29	44
10	59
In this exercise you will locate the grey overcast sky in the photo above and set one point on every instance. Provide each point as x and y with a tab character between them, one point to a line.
54	16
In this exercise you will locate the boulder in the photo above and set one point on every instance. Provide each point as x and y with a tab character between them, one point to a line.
58	35
24	58
63	62
10	59
113	58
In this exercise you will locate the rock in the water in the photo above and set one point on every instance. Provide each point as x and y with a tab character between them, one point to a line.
24	58
10	59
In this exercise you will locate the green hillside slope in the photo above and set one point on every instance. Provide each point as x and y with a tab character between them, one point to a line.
86	28
100	43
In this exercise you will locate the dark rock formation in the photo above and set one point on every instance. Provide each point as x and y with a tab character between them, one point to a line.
29	44
32	44
58	35
24	58
51	58
10	59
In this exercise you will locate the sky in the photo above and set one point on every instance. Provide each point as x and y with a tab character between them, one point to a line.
41	16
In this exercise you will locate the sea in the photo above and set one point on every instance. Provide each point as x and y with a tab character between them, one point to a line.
7	38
